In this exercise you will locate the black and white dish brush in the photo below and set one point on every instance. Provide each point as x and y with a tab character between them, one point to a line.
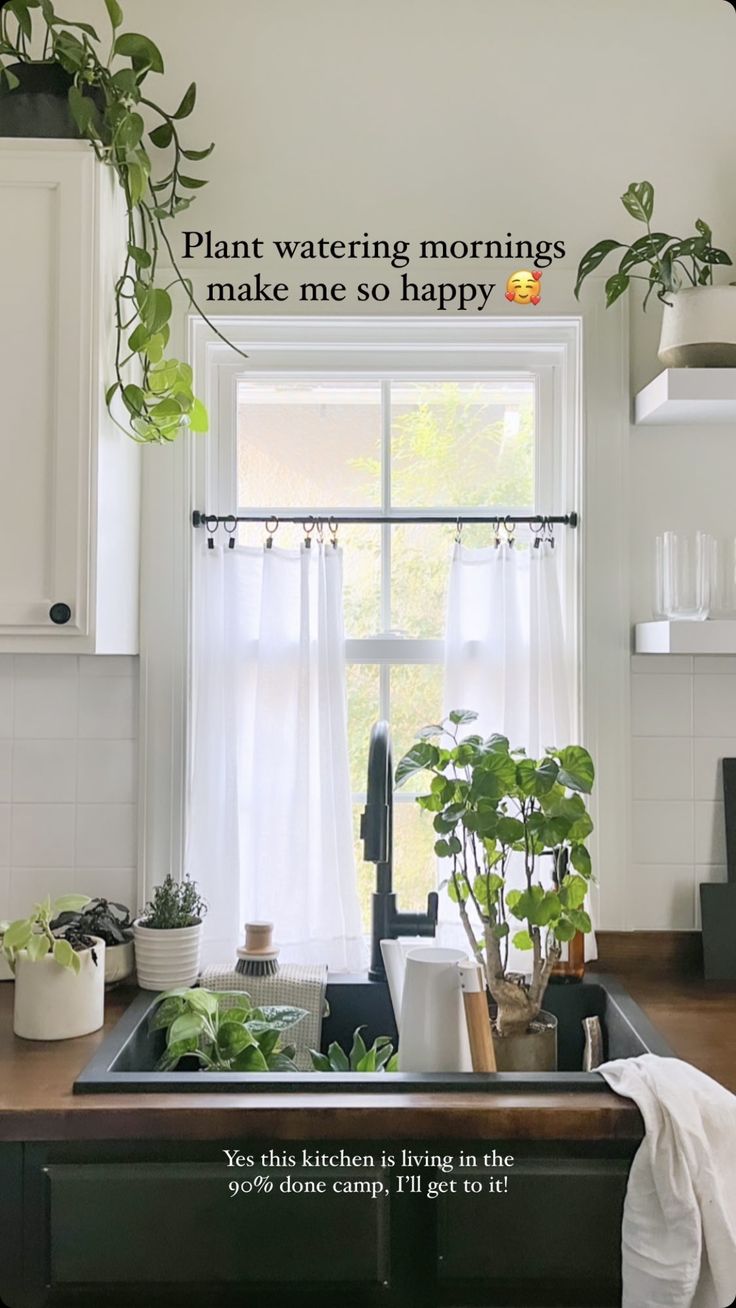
258	956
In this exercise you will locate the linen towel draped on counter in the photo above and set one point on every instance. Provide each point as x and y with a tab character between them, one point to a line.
270	817
507	656
679	1226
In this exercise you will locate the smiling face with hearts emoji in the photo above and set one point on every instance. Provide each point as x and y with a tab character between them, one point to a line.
523	287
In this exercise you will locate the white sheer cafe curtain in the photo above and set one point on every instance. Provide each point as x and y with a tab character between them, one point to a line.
507	657
270	804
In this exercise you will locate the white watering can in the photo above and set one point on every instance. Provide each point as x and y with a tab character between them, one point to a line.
425	989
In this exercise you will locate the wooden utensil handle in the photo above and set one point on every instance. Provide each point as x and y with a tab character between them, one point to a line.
482	1053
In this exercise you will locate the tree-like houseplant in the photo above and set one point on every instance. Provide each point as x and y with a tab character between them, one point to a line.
699	319
48	61
59	978
110	922
168	936
494	807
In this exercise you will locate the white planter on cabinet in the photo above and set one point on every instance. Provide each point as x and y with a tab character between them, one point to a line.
164	959
54	1003
699	328
69	525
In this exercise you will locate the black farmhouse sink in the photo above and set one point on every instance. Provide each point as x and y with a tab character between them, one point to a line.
126	1060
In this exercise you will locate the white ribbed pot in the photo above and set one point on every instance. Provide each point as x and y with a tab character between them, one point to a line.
164	959
119	963
54	1003
699	328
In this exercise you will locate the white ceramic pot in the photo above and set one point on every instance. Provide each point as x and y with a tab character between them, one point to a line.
119	962
699	328
164	959
54	1003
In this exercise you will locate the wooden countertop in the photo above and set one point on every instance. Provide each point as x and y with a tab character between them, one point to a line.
37	1103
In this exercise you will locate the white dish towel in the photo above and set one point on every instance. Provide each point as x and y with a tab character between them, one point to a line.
679	1225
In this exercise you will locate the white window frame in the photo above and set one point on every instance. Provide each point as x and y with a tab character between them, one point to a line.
593	475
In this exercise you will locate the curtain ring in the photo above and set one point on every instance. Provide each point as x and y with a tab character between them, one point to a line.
459	532
271	530
320	531
510	528
333	526
230	529
211	524
550	534
496	533
309	526
536	526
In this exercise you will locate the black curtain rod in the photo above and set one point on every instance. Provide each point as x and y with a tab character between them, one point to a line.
213	520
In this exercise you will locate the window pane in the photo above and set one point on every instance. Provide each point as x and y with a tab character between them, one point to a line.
363	711
420	564
415	867
462	444
309	444
416	700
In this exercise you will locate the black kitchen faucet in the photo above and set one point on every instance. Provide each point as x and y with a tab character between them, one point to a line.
376	829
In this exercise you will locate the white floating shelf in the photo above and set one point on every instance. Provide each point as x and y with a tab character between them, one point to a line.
688	395
712	637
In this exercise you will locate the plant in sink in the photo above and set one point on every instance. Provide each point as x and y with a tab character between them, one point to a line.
493	809
110	922
224	1032
59	979
380	1057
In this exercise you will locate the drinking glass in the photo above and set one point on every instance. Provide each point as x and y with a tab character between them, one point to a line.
687	570
723	578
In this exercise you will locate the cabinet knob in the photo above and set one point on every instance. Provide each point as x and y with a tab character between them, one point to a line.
60	613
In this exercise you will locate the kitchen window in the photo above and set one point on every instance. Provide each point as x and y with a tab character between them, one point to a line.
376	430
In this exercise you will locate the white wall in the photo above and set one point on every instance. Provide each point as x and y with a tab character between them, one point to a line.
421	118
68	767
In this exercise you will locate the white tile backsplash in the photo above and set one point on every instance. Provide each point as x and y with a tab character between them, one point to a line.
683	724
661	704
68	765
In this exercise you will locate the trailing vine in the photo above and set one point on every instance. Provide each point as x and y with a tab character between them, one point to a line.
111	107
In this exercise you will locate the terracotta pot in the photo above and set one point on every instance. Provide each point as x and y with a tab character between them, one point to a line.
699	328
533	1050
164	959
54	1003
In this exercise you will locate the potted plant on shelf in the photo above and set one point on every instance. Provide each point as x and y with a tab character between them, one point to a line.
699	319
168	936
59	979
79	88
107	921
493	806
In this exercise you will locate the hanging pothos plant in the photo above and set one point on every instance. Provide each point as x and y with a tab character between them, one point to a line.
111	107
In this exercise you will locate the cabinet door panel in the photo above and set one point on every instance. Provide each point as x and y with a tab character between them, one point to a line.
46	271
176	1223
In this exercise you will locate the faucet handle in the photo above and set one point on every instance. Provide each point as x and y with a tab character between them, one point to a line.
433	904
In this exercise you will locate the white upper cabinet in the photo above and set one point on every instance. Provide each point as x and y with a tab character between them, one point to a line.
69	480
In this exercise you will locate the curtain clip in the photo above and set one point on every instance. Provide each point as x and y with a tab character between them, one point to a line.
272	526
230	523
211	523
496	533
309	526
459	532
537	527
333	527
510	529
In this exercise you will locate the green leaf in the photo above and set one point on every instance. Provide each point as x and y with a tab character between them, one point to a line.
10	78
156	310
576	768
130	131
534	778
139	338
173	1053
591	260
459	716
320	1062
187	103
615	287
573	891
716	256
186	1026
643	250
639	201
134	399
65	956
500	930
580	859
358	1049
233	1038
580	920
509	830
458	889
141	51
522	940
564	930
282	1016
137	182
81	108
163	135
281	1062
196	155
114	13
38	947
69	904
191	183
420	756
338	1058
203	1001
250	1060
166	1013
140	257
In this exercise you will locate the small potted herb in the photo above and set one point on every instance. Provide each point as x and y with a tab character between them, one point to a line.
59	979
699	319
110	922
168	936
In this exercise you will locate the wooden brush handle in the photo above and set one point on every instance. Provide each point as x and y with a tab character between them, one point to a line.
482	1053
